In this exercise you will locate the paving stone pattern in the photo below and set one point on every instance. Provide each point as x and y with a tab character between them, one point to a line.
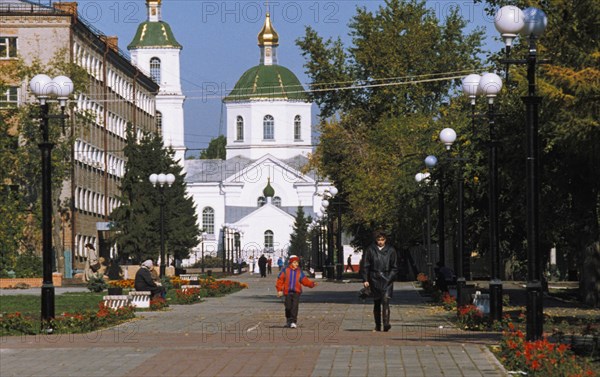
243	335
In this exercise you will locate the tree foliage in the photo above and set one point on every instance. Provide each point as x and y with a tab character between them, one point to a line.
374	136
20	160
215	150
137	219
299	237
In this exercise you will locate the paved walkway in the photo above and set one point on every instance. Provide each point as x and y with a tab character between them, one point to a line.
243	335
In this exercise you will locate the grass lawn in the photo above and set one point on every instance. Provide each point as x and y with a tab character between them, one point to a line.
30	305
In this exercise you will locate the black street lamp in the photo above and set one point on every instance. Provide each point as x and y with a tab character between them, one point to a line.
420	177
448	137
161	179
490	85
431	162
204	234
43	87
531	23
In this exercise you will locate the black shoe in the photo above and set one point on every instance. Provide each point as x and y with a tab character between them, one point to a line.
377	328
387	328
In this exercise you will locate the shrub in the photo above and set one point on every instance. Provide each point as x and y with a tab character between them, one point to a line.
448	301
15	323
471	318
28	265
97	284
539	357
158	303
187	296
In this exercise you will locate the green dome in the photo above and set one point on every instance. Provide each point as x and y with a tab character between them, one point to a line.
154	34
269	191
267	82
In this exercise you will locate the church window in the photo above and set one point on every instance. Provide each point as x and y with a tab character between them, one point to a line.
268	127
297	127
208	220
277	201
155	69
159	121
239	129
261	201
269	240
8	47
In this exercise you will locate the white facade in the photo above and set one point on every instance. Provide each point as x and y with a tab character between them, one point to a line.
159	56
285	143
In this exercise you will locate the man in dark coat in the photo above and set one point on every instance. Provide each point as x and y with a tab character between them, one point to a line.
144	282
378	273
262	266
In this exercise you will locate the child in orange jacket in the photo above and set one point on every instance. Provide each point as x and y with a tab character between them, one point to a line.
289	283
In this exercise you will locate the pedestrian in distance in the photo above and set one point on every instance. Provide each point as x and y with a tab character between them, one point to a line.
289	284
379	271
349	264
280	263
262	266
269	266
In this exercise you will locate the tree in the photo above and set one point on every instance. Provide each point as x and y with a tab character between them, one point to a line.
215	150
20	167
373	137
137	219
299	237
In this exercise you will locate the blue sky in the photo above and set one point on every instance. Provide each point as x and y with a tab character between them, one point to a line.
219	41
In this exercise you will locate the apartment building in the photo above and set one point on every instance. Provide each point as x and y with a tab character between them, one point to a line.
117	94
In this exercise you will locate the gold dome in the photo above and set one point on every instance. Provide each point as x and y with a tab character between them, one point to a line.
268	36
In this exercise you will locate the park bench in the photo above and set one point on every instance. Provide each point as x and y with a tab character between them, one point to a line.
116	301
140	299
190	277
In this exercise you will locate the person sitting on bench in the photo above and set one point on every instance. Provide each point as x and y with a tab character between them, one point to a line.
144	282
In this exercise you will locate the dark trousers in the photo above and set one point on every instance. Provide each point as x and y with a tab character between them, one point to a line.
292	302
377	312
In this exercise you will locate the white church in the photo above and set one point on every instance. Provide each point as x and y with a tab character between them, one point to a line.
257	190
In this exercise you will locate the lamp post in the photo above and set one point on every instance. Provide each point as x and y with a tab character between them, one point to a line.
448	137
202	239
336	249
420	177
43	87
531	23
490	85
161	179
431	162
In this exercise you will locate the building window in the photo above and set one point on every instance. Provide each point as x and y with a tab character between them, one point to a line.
239	129
159	121
8	47
297	127
269	240
155	70
277	201
261	201
9	98
268	127
208	220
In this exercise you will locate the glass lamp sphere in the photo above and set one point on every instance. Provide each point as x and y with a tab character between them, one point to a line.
430	161
419	177
509	22
535	22
447	137
40	85
170	179
63	86
154	179
325	203
333	190
470	85
490	85
162	179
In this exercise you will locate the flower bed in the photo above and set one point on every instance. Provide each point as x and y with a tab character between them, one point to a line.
76	322
539	357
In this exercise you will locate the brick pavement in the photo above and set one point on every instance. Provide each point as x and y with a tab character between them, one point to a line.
242	335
